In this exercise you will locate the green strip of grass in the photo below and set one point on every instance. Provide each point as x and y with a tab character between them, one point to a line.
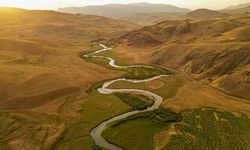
99	61
161	115
136	102
144	72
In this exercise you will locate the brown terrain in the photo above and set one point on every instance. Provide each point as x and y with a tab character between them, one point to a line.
147	19
237	9
203	14
139	13
43	80
40	70
35	57
149	14
214	51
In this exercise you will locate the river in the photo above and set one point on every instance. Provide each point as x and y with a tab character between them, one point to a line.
96	133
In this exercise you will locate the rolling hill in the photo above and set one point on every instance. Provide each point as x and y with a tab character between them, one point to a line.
51	24
147	19
233	7
214	51
145	13
42	76
204	14
185	31
31	38
122	10
237	9
243	10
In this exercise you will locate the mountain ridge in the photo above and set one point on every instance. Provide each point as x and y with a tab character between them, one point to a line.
237	6
119	10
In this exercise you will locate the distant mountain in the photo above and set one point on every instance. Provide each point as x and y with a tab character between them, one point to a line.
204	14
238	11
237	6
151	18
122	10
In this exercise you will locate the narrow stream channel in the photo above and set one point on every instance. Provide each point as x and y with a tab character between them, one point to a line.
96	133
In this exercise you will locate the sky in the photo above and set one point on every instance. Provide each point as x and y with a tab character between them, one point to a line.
54	4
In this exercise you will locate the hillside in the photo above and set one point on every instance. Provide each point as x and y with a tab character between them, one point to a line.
233	29
122	10
43	79
147	19
204	14
238	11
52	25
233	7
33	42
213	51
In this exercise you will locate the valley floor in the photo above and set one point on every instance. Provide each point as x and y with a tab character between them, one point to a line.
194	116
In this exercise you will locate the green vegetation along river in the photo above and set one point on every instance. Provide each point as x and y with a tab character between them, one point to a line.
96	133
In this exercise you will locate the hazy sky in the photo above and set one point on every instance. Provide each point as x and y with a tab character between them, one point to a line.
54	4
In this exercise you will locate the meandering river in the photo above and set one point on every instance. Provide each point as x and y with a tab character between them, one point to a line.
96	133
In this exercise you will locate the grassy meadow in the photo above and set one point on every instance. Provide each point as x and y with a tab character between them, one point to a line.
95	108
137	131
209	128
136	101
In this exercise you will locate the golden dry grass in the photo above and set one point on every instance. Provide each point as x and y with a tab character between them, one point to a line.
195	95
207	62
208	50
43	78
57	26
